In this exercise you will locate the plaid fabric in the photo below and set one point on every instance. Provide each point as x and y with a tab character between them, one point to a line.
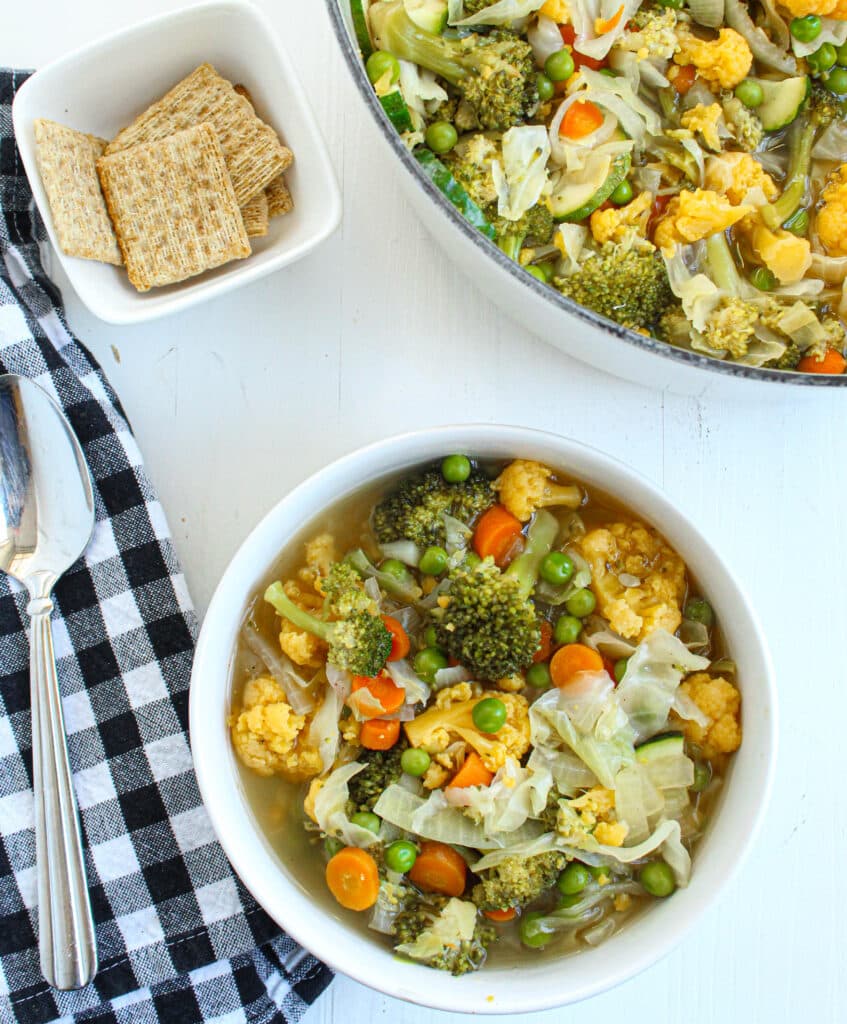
179	938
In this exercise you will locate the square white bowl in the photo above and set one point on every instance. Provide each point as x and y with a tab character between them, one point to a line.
100	88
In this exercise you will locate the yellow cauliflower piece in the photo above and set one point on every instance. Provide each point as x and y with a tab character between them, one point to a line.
524	487
596	810
315	786
303	648
722	62
266	733
623	223
557	10
436	776
733	174
635	612
691	216
704	120
611	833
825	8
511	684
350	728
786	255
831	220
721	701
320	554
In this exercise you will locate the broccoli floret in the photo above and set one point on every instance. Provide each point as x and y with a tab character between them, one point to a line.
472	7
416	510
629	287
674	327
382	769
345	592
731	326
432	928
745	125
359	643
517	881
470	163
494	73
536	225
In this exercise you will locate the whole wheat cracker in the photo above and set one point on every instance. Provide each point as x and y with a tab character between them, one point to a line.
253	151
173	207
278	196
255	215
67	162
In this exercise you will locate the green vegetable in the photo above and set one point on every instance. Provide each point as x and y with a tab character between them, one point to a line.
698	609
517	881
823	58
394	567
675	5
750	93
575	202
557	568
567	629
430	636
798	224
657	879
360	27
841	53
401	856
332	846
620	668
428	661
536	223
401	586
444	181
396	111
382	769
581	603
805	29
559	66
415	762
666	744
381	63
537	273
489	715
456	469
622	194
430	15
573	879
538	675
546	89
763	279
441	136
433	561
781	100
423	913
366	819
836	81
531	929
702	776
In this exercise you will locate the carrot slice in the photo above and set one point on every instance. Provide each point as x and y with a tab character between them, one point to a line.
439	869
353	878
546	645
581	119
832	362
400	643
570	660
379	733
684	78
506	914
472	773
496	533
382	688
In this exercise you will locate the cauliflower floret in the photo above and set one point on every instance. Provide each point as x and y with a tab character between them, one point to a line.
734	174
303	648
825	8
511	684
524	487
267	734
691	216
831	221
350	728
594	813
557	10
315	786
320	554
653	35
704	120
624	224
635	612
722	62
597	804
721	701
612	833
787	256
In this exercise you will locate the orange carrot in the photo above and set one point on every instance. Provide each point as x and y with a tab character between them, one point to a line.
439	869
684	78
572	659
379	733
506	914
382	688
496	533
581	119
472	773
546	645
832	362
399	638
353	878
604	25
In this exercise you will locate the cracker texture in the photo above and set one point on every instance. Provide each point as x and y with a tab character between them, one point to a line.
252	149
255	214
279	198
173	207
67	162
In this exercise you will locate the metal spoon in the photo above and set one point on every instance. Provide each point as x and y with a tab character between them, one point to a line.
46	519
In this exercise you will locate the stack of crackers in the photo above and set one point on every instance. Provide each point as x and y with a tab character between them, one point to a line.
179	191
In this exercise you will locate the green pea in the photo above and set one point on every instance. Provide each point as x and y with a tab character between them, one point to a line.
546	89
379	62
401	856
763	279
823	58
750	93
806	29
557	568
428	661
366	819
657	879
798	224
332	846
599	871
568	901
573	879
622	194
441	136
532	930
394	567
836	81
698	609
567	629
537	273
702	776
456	469
841	54
549	270
559	66
581	603
433	561
430	636
489	715
620	668
538	675
415	761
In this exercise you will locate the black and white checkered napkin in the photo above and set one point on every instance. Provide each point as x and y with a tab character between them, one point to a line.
179	939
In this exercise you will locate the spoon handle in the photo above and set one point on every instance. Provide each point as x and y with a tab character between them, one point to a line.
66	929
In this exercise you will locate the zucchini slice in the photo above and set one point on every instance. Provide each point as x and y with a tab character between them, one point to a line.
444	181
430	15
577	201
782	101
359	13
398	113
666	744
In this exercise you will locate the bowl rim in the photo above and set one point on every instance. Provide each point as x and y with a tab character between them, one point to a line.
285	899
133	309
355	65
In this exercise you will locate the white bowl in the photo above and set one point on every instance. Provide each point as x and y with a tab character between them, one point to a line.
328	934
102	87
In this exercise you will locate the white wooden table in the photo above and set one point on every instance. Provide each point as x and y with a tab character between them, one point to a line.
237	400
